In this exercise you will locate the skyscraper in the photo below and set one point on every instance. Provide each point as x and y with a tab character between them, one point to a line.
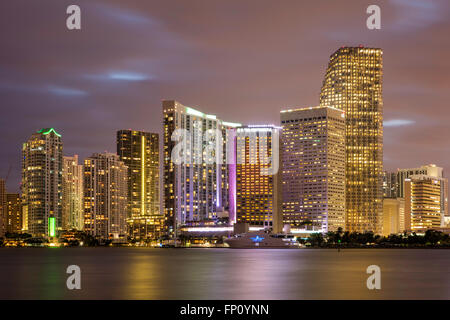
140	153
42	166
105	196
258	180
72	196
390	185
196	188
14	220
3	209
353	83
313	167
396	182
393	216
423	203
402	174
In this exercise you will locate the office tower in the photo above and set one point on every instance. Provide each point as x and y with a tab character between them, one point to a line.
423	203
73	195
390	184
229	172
428	170
139	151
2	208
393	216
42	167
444	202
196	183
313	167
105	196
353	83
258	180
14	221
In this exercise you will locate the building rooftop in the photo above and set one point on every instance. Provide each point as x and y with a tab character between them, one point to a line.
48	131
311	108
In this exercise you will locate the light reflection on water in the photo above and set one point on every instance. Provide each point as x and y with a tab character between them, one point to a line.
140	273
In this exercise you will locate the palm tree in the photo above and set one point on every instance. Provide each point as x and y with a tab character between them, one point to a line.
316	239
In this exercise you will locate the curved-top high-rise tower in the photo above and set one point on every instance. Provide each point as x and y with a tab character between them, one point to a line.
353	83
42	166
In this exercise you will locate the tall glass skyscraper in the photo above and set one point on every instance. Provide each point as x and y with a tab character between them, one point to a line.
196	188
72	194
139	151
353	83
3	208
42	167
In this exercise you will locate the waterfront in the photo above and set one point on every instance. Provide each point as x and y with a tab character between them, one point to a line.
142	273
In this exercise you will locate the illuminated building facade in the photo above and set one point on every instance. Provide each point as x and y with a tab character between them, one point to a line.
390	185
402	174
396	182
258	180
423	203
197	187
105	196
2	208
14	220
393	216
72	195
42	166
353	83
139	151
313	167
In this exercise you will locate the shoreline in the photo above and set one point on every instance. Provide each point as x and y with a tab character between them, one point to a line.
206	248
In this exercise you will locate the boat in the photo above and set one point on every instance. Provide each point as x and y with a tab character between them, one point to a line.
262	240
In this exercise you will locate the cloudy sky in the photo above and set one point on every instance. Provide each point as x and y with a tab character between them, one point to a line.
243	60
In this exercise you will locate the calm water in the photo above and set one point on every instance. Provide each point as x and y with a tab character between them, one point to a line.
140	273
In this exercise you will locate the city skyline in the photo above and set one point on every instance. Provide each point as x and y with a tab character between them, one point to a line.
224	158
249	82
121	190
46	173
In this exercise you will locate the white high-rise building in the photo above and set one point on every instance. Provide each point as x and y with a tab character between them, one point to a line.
42	167
198	187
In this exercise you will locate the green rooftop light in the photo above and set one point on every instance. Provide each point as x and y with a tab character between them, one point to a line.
231	124
194	112
49	130
197	113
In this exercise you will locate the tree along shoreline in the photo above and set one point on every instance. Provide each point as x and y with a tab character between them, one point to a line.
424	247
431	239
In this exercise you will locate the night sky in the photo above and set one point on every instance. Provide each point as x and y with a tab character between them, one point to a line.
243	60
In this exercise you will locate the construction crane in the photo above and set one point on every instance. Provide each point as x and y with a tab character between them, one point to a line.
9	172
